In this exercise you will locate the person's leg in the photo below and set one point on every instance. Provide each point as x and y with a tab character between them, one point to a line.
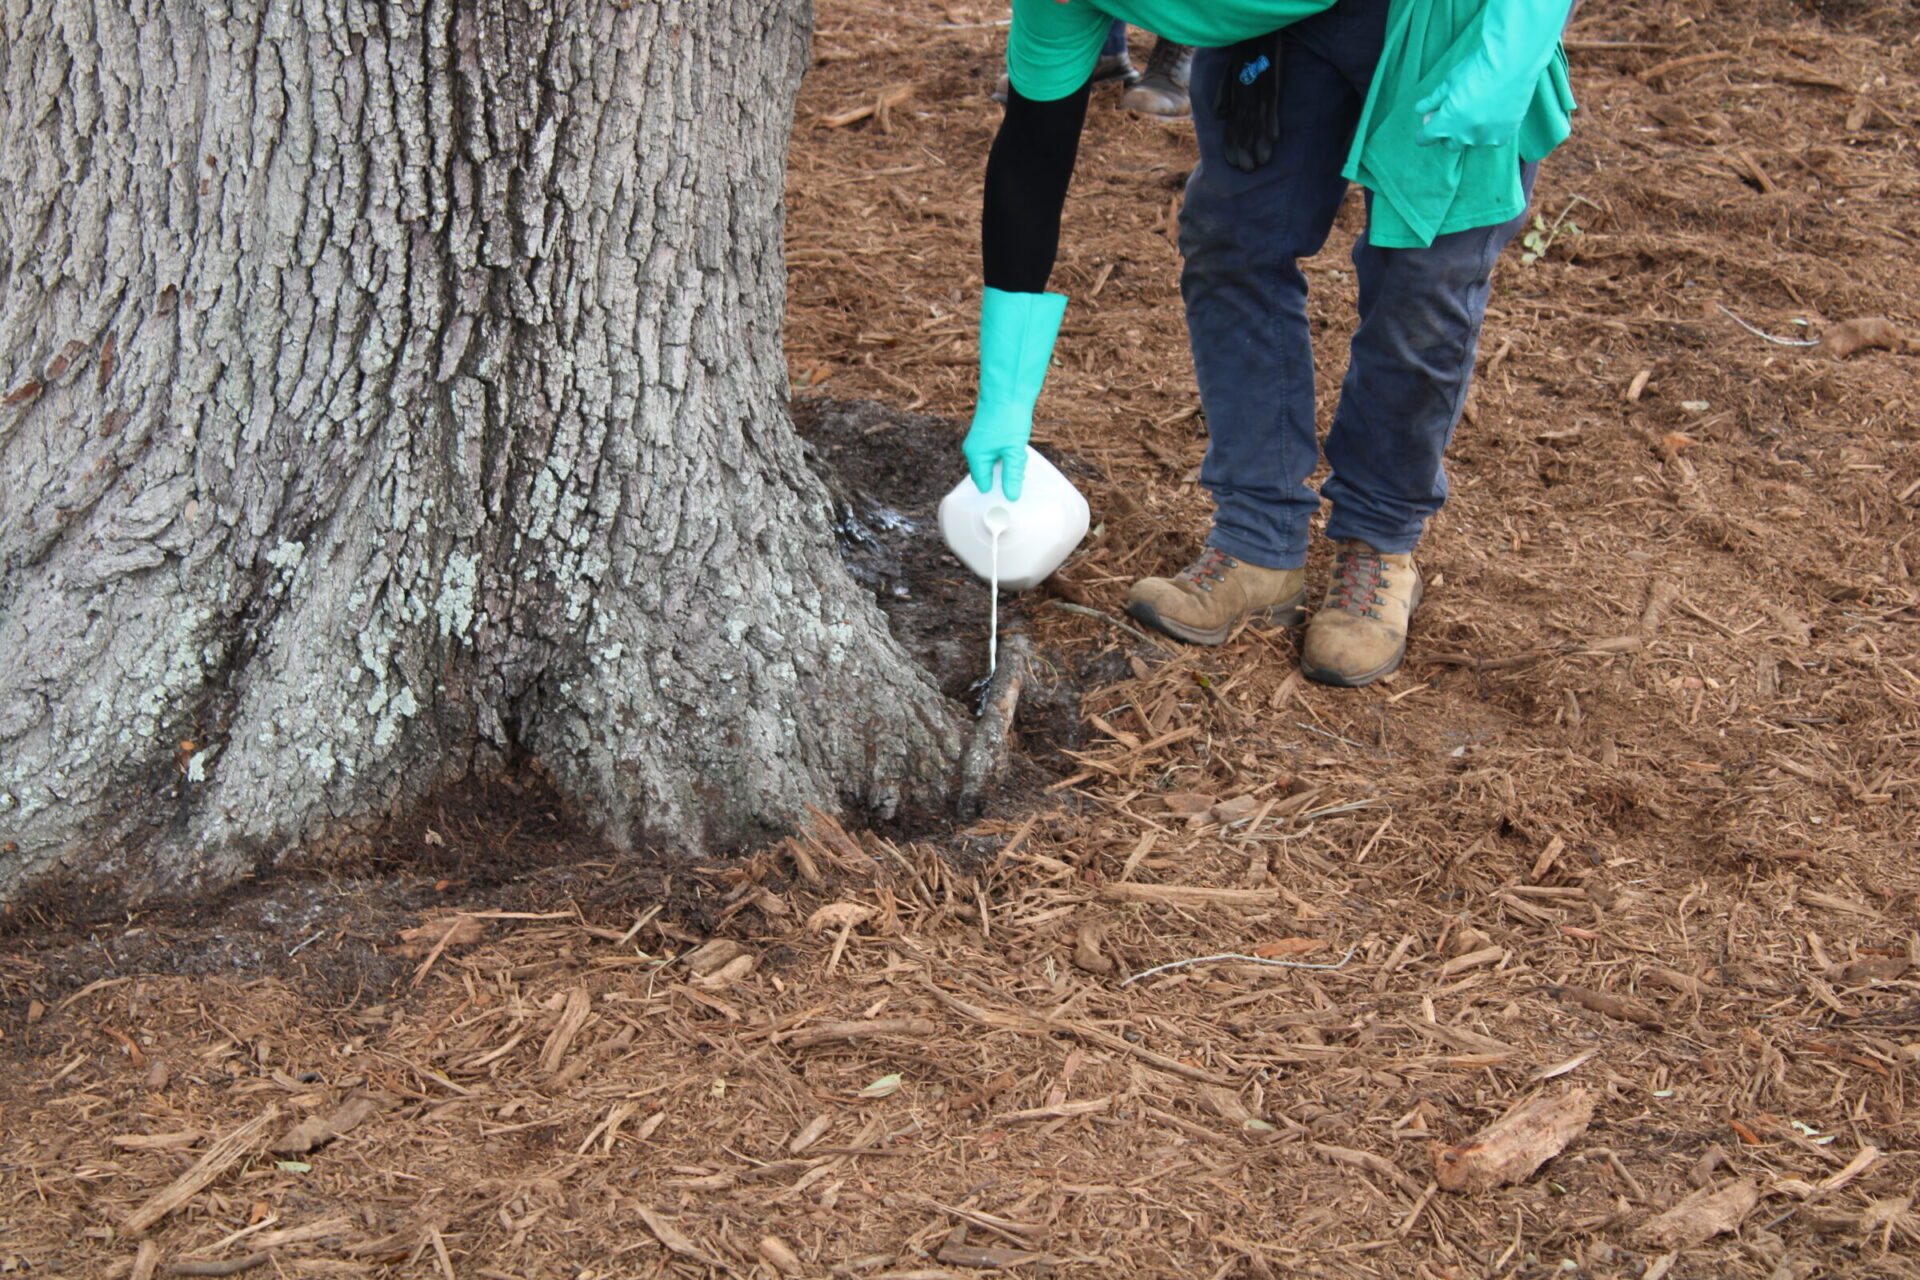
1114	63
1407	377
1241	236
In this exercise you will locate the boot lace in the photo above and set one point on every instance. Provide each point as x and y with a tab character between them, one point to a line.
1206	572
1359	581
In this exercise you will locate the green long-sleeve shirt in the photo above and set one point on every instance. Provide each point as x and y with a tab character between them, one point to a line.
1420	192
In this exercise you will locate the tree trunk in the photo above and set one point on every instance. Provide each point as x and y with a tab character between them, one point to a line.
394	391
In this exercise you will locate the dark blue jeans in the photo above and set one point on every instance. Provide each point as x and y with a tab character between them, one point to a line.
1412	354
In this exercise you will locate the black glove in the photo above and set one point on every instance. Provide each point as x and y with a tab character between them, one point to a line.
1248	100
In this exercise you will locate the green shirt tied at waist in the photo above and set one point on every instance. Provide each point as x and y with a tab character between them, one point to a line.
1420	192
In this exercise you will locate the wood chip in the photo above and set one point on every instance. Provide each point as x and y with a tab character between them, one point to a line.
1058	1111
573	1016
783	1258
985	1257
1833	902
1511	1148
440	931
220	1157
671	1236
1473	960
1612	1006
157	1141
1188	895
712	955
1685	984
1701	1216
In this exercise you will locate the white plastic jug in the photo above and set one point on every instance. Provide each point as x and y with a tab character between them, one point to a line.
1024	540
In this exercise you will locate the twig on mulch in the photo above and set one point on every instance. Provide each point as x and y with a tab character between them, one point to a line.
231	1267
1034	1024
830	1031
1086	612
1275	964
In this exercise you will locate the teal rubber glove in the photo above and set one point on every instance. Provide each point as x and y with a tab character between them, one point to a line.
1016	342
1484	99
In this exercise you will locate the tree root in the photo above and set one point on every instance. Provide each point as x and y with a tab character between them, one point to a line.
986	755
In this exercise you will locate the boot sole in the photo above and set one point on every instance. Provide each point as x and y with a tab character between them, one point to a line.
1341	680
1288	613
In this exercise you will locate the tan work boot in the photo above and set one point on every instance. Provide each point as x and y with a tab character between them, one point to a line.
1360	633
1215	594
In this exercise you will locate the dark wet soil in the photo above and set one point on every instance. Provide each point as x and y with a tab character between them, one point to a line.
888	470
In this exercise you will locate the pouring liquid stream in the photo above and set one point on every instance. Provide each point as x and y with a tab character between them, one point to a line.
997	521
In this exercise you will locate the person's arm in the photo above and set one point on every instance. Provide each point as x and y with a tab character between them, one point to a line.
1483	100
1027	174
1028	171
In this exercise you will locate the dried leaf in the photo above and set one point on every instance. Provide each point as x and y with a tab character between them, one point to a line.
1086	950
1861	334
885	1087
441	931
840	914
1673	444
1187	802
317	1131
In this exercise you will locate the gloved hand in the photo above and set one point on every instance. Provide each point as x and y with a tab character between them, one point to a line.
1016	343
1248	100
1483	100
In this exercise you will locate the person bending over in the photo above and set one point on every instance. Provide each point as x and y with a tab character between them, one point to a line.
1441	110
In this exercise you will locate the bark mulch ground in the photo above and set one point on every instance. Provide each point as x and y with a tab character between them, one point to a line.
1587	946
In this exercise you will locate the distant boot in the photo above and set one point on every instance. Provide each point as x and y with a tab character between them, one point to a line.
1360	633
1215	594
1162	91
1112	66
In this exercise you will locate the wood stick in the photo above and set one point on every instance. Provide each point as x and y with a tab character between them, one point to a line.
1612	1006
1661	70
859	1030
1035	1025
219	1157
1187	894
986	754
232	1267
1356	1159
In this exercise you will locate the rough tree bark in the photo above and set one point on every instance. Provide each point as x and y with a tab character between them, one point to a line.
394	390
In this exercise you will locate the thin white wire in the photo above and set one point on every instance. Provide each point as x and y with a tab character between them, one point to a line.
1277	964
1762	333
